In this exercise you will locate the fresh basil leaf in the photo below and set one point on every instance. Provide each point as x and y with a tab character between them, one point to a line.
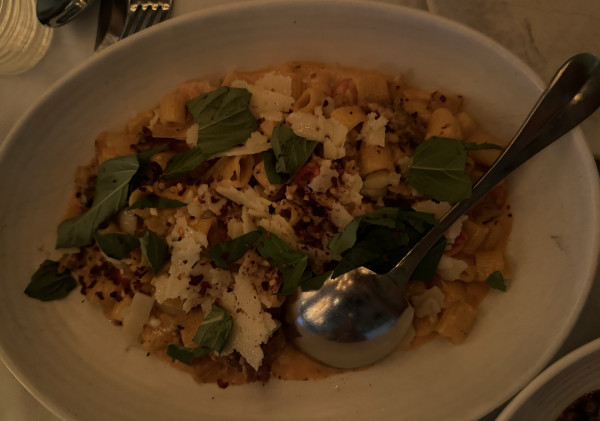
472	146
112	189
438	170
223	117
420	221
496	281
212	335
158	202
380	239
315	282
155	249
225	252
359	255
346	238
291	263
48	284
224	121
290	153
184	162
117	245
270	161
378	248
184	354
144	157
215	329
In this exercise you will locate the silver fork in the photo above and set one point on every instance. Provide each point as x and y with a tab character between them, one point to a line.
142	14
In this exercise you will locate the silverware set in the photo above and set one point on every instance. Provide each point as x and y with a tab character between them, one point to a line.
117	19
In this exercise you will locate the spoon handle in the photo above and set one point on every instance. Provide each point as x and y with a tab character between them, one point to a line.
572	95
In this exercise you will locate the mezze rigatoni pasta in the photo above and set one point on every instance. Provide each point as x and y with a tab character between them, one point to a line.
192	223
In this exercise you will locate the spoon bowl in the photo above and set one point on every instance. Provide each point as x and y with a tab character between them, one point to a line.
360	317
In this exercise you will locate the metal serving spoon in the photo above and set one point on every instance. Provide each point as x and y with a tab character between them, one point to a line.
361	317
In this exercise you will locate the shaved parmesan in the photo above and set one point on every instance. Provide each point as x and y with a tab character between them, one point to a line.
252	326
136	315
450	268
429	303
373	130
256	143
266	103
257	205
438	209
328	131
324	180
281	228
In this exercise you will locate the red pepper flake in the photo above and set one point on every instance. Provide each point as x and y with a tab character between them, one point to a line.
196	279
116	296
203	287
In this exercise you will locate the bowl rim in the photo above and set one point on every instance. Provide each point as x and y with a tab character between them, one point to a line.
556	369
421	15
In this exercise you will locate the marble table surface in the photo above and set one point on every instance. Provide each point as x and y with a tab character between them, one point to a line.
543	33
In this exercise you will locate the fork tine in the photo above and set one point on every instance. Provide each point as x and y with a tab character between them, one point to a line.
132	21
154	17
162	15
142	15
167	8
145	19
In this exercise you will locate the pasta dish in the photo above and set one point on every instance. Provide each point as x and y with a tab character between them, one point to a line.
193	222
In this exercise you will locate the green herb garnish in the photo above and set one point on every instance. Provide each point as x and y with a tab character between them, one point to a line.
117	245
184	162
438	168
380	239
48	284
112	191
212	335
292	264
225	252
155	249
117	178
185	354
154	201
288	154
224	121
496	281
214	329
315	282
144	157
377	240
472	146
346	238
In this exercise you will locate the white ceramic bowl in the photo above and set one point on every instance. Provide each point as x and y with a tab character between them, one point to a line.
74	361
558	386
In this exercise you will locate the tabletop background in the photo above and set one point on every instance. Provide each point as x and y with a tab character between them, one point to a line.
543	33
